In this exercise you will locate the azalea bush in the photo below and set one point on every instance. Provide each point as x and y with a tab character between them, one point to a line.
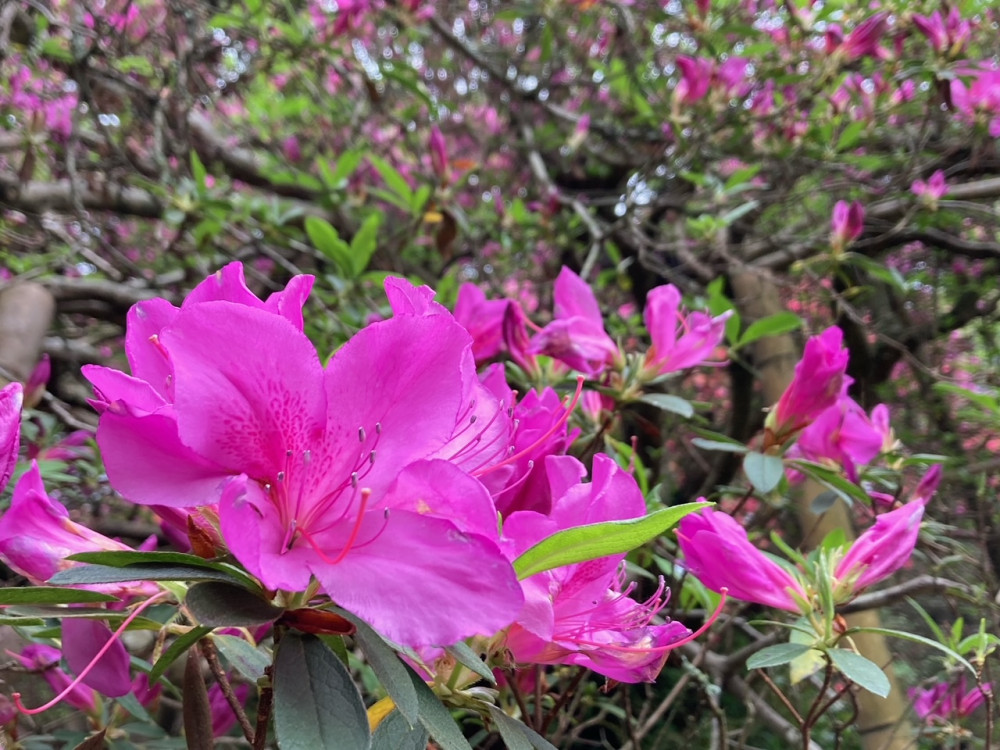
538	374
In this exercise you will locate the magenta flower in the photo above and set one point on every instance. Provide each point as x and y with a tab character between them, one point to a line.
978	99
695	78
38	657
679	341
583	614
36	535
323	472
439	154
948	701
11	398
947	35
842	434
718	553
223	718
862	41
81	640
483	319
881	551
931	190
577	335
820	379
847	224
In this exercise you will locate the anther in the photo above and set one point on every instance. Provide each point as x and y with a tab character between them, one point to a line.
361	434
354	479
371	458
288	453
281	476
378	428
472	419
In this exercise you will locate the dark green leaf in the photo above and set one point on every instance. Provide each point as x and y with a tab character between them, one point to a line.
222	605
918	639
316	703
148	572
861	671
326	239
776	655
393	179
763	471
516	735
465	656
591	541
363	244
244	658
667	402
772	325
395	733
387	666
436	718
51	595
178	647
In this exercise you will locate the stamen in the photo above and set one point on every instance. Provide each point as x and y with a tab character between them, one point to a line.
365	495
354	479
86	670
361	434
378	428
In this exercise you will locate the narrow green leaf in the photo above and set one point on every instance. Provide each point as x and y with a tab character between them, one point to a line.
392	178
668	402
465	656
516	735
917	639
326	239
719	445
861	671
772	325
387	666
178	647
363	244
436	718
244	658
776	655
316	703
763	471
394	732
222	605
121	558
147	572
595	540
51	595
199	172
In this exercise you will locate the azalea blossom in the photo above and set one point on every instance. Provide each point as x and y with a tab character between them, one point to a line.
717	551
847	224
576	336
38	657
948	701
679	340
322	473
483	319
582	613
11	398
842	434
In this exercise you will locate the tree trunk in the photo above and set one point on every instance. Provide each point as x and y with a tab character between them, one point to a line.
26	311
881	721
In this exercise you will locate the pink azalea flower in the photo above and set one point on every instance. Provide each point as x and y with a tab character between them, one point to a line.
36	535
862	41
583	614
842	434
38	657
695	80
820	379
679	341
223	718
11	398
931	190
39	378
576	336
483	319
946	35
323	472
946	702
439	154
81	640
887	545
847	224
978	99
718	553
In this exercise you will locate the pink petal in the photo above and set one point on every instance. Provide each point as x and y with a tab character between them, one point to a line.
82	639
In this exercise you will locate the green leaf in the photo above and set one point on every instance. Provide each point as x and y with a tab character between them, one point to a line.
850	135
222	605
121	558
395	733
861	671
149	572
316	703
595	540
386	665
776	655
326	239
719	445
435	717
244	658
668	402
516	735
178	647
464	655
763	471
917	639
51	595
363	244
199	172
772	325
392	178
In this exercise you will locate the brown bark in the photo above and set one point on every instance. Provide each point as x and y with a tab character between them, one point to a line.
26	311
881	721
